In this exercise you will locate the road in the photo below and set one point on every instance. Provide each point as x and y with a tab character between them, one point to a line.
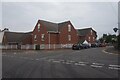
86	63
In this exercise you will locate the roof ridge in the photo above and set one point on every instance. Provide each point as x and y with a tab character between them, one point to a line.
47	21
84	28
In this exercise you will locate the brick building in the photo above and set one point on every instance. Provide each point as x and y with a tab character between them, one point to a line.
87	34
49	35
16	40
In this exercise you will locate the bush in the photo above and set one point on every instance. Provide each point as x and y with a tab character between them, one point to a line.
118	42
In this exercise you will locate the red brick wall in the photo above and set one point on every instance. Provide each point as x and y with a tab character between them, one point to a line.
42	31
80	38
63	37
27	40
91	37
54	38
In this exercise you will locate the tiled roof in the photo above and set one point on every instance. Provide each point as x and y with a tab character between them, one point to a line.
50	26
53	26
16	37
63	24
83	32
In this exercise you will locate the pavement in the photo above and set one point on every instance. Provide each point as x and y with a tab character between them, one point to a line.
86	63
112	50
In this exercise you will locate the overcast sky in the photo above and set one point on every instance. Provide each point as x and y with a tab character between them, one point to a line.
22	16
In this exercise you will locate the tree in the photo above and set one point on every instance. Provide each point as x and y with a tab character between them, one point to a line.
101	40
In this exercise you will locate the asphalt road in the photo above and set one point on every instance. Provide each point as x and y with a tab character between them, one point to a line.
87	63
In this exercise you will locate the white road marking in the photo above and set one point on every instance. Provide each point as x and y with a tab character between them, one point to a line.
31	59
67	63
114	65
116	68
97	63
56	61
24	58
37	59
14	53
72	61
108	52
49	60
96	66
80	64
83	62
61	60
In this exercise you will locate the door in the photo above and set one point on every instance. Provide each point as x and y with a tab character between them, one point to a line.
37	47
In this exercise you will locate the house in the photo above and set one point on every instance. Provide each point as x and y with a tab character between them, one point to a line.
87	34
16	39
47	35
50	35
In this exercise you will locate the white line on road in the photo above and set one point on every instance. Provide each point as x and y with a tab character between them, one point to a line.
61	60
116	68
14	53
72	61
108	52
37	59
31	59
49	60
97	63
67	63
80	64
83	62
56	61
96	66
114	65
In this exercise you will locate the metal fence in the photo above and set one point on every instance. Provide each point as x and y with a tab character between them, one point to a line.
33	47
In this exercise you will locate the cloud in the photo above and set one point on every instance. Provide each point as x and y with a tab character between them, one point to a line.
22	16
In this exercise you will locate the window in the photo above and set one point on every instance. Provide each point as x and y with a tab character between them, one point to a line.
35	37
38	27
69	37
69	28
93	38
42	37
89	38
91	32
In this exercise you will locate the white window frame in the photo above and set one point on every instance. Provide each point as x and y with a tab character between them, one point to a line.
89	38
42	37
35	37
93	38
38	27
69	37
69	27
91	32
